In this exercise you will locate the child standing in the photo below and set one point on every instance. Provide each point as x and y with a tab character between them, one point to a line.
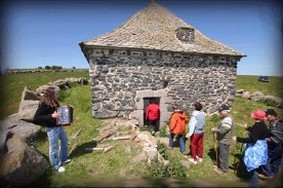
177	125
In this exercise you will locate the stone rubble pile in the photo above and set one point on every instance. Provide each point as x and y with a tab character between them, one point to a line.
259	96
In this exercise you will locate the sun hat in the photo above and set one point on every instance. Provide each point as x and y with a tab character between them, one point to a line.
258	114
223	107
270	112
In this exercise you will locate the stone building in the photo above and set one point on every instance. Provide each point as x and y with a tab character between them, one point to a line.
155	55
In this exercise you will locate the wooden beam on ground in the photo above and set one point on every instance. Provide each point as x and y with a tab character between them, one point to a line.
109	148
73	148
122	138
94	149
105	134
77	134
134	136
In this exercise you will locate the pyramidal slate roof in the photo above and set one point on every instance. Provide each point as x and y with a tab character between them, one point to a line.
154	27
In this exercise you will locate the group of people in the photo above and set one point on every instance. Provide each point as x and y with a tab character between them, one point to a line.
264	144
177	126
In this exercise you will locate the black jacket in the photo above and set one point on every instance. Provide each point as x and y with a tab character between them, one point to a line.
276	129
258	131
43	115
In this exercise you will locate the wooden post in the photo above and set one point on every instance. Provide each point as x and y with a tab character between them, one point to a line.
215	146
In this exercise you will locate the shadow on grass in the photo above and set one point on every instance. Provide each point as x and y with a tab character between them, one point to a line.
212	155
41	137
237	166
83	149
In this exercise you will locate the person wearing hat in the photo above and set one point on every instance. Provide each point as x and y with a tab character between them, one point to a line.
256	151
46	115
177	127
275	146
224	133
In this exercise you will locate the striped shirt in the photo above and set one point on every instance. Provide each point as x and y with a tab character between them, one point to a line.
225	130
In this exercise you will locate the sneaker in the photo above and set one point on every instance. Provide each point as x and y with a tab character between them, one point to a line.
170	147
153	133
218	171
191	160
67	161
199	159
61	169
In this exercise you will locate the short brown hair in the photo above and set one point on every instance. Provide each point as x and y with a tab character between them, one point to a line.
198	106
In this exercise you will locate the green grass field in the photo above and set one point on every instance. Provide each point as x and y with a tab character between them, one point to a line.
250	83
14	85
116	166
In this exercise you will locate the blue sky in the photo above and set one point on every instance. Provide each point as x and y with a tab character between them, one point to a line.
40	33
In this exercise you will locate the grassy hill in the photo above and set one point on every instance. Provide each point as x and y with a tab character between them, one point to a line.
250	83
117	167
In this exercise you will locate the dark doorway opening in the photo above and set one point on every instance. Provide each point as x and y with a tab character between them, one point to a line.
146	102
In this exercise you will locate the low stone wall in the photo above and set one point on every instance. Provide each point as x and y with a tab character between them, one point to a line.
259	96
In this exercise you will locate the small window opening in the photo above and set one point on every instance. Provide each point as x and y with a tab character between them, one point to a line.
185	34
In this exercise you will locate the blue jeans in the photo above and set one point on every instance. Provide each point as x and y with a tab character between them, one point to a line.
57	155
181	141
274	161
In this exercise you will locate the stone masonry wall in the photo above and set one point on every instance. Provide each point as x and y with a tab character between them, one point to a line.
121	78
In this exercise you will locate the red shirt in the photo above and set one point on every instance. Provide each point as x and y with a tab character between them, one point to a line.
152	112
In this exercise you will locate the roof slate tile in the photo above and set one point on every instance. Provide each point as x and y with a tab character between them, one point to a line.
154	27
